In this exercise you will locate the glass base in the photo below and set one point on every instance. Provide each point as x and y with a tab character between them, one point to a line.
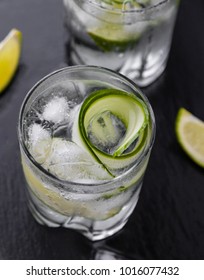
93	230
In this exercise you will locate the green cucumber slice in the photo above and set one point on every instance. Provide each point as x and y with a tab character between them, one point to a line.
130	110
125	106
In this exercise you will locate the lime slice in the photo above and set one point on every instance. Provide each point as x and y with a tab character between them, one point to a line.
54	199
67	205
10	50
129	110
127	4
115	36
190	134
112	37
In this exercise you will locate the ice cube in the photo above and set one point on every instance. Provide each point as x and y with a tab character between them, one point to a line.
56	110
39	142
68	161
73	114
105	131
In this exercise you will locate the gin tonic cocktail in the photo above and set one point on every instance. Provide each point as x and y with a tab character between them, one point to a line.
129	36
85	135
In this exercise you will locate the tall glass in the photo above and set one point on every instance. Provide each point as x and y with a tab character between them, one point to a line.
66	185
129	36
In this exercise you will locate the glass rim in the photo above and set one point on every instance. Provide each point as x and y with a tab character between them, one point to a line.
117	15
141	10
68	183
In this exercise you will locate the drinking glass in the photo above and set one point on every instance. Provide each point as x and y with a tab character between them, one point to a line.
66	184
132	37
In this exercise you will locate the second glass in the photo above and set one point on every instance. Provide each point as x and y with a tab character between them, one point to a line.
128	36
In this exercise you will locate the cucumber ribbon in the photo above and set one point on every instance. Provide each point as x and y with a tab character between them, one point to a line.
101	114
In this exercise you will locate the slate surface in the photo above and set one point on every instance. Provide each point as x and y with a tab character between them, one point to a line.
168	222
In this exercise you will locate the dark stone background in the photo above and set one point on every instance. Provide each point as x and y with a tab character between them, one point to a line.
168	222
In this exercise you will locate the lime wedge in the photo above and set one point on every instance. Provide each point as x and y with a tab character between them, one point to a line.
113	37
129	112
10	50
190	134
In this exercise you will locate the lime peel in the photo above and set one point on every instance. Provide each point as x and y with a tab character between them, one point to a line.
190	135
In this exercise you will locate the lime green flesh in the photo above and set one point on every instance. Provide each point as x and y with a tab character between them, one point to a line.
10	51
190	135
113	38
